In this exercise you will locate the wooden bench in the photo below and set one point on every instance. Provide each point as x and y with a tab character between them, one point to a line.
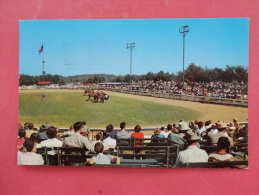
65	154
144	142
153	155
155	142
211	149
220	164
111	165
126	142
240	149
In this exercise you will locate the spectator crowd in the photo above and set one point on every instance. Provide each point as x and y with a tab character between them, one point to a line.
217	89
187	136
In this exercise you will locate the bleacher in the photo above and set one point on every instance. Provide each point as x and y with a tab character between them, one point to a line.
148	155
220	164
152	153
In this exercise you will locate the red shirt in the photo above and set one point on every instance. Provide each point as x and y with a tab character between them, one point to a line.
20	142
138	135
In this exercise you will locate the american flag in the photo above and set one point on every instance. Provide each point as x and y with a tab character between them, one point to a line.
41	49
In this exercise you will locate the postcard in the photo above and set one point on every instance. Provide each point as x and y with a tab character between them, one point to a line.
169	93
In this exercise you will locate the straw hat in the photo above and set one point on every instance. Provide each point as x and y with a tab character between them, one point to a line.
221	125
191	136
183	126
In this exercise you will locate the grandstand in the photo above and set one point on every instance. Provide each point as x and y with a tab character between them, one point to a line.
152	153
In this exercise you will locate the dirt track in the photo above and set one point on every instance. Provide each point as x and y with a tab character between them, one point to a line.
211	111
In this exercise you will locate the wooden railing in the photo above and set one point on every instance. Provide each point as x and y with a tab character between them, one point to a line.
202	99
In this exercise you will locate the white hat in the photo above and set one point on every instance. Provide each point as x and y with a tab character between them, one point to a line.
221	125
183	126
191	136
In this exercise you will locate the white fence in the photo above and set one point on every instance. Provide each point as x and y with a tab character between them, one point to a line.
202	99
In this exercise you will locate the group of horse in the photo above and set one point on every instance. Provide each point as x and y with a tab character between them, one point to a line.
96	95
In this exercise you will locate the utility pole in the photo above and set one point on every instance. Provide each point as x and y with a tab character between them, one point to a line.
183	30
130	46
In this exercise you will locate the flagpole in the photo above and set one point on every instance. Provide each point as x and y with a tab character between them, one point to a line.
43	65
43	71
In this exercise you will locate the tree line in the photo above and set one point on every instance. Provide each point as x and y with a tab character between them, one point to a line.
192	73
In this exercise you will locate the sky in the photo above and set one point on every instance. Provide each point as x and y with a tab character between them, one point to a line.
74	47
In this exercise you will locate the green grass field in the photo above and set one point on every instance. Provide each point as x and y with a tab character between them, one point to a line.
63	109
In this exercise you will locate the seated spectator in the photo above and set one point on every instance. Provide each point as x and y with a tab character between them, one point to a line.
222	132
34	137
139	135
192	153
221	155
30	130
51	142
201	128
42	132
192	126
69	132
231	129
162	129
156	135
177	139
102	158
26	126
108	142
29	157
86	133
213	129
21	135
19	124
208	124
98	139
123	134
109	129
20	127
165	132
77	140
174	129
236	125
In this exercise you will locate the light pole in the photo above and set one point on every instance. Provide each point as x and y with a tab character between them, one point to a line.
131	46
183	30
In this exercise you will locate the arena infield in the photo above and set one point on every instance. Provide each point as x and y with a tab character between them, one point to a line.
204	111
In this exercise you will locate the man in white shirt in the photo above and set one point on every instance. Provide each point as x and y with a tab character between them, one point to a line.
201	128
52	141
29	157
165	132
108	141
192	153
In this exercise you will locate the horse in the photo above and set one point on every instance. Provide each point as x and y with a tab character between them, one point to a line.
103	96
87	91
96	96
90	93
